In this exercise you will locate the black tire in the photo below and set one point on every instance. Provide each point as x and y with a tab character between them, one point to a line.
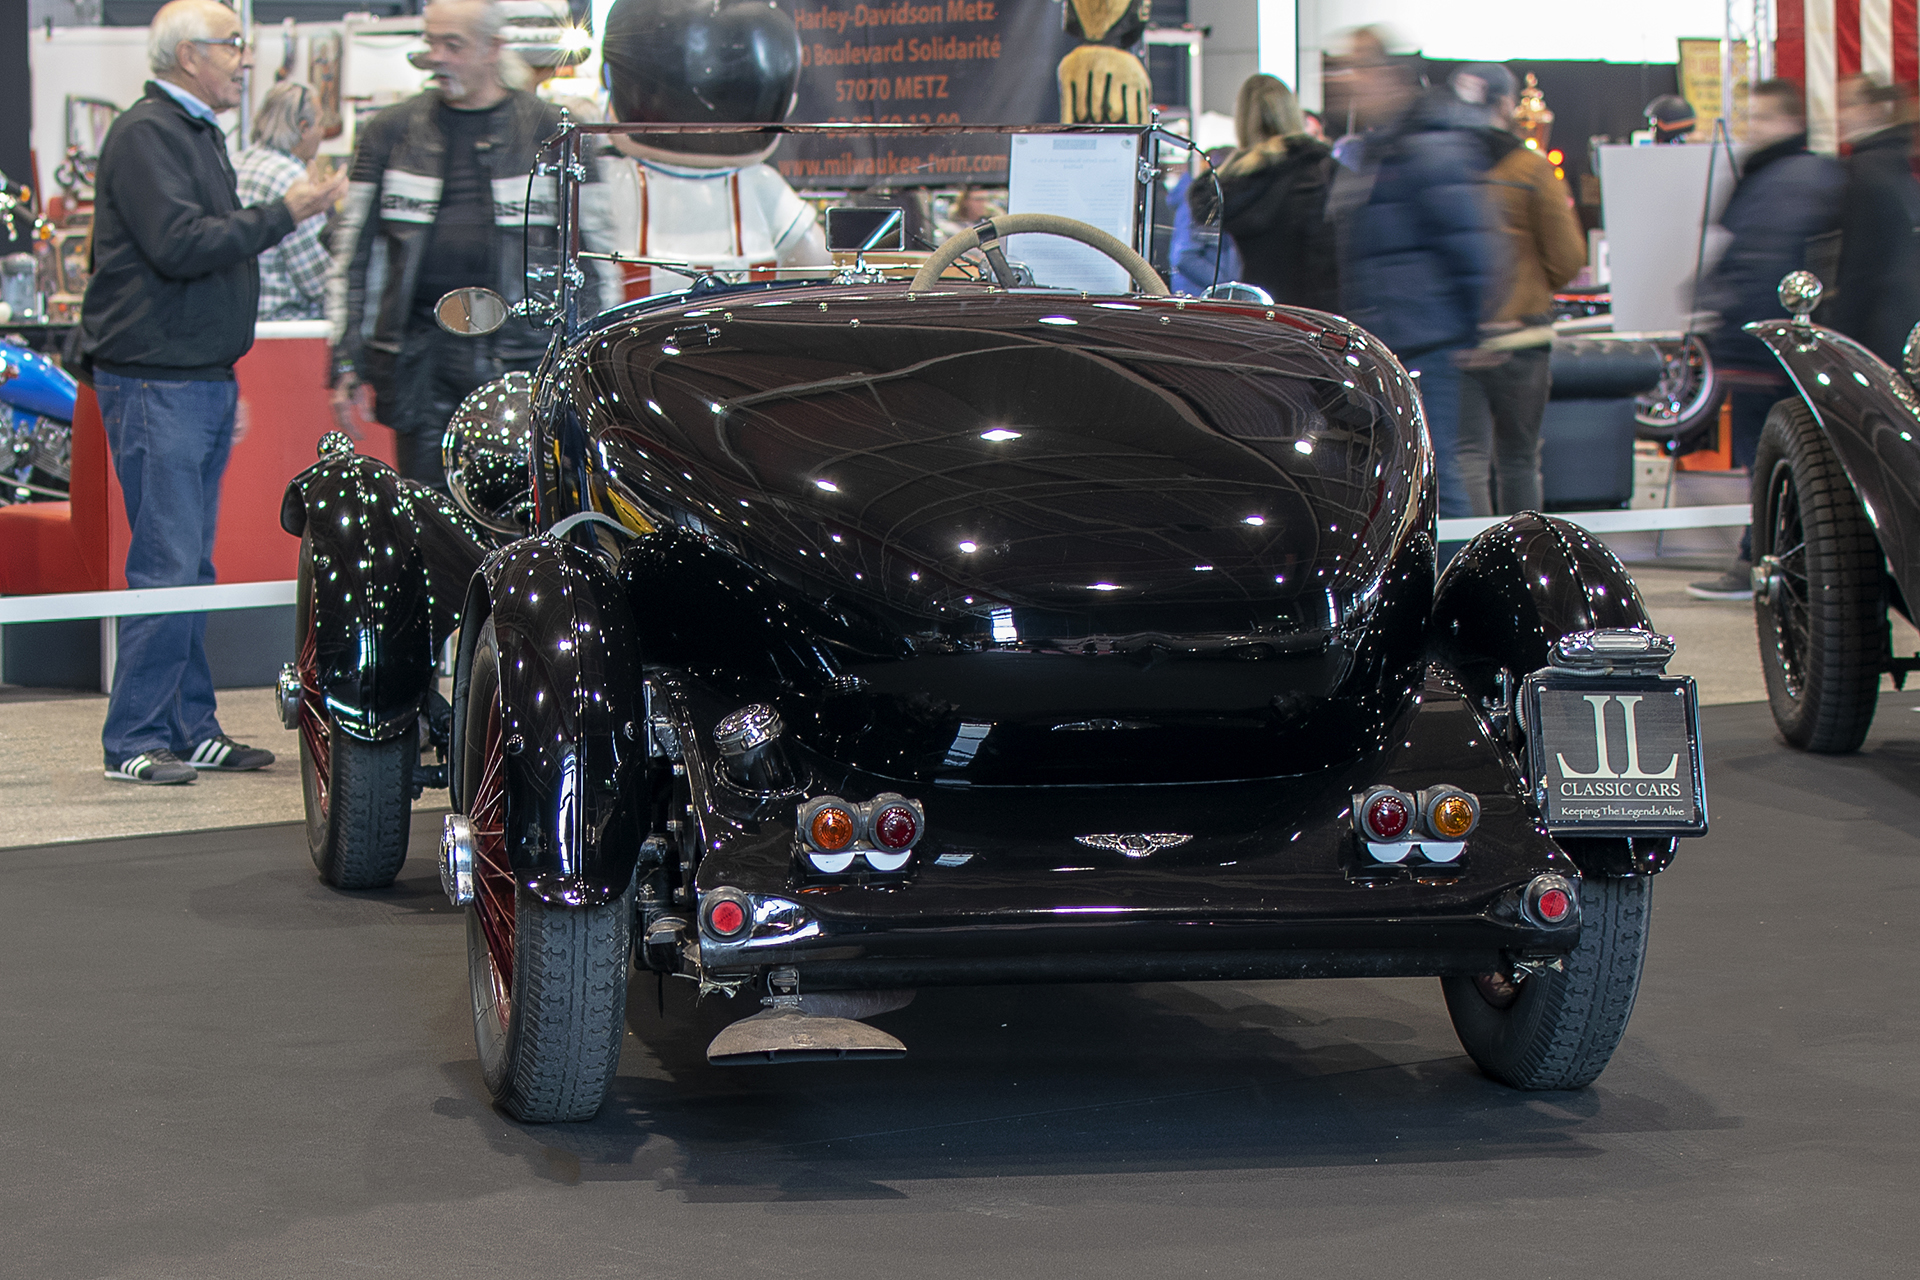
548	982
1821	602
359	795
1558	1030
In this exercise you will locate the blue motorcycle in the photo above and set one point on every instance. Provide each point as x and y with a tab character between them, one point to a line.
36	435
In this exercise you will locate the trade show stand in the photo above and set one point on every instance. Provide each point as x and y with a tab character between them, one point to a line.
81	545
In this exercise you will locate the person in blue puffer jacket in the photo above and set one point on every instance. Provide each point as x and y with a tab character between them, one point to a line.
1418	243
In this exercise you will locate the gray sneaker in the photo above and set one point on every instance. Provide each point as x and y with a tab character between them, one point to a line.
159	768
1735	584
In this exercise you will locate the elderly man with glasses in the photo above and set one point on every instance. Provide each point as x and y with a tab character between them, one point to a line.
168	310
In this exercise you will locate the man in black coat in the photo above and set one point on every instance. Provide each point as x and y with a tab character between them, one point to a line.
168	310
1786	201
1876	291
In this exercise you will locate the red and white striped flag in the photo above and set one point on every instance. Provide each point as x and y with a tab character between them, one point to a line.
1819	41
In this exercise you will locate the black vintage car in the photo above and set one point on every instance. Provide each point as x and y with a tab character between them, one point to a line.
823	639
1836	525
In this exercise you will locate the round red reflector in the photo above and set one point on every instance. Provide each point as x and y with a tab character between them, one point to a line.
1388	816
727	918
895	828
1554	905
831	829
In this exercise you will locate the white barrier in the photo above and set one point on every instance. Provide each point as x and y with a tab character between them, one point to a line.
260	595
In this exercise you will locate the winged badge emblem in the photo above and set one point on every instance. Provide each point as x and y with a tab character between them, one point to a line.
1135	844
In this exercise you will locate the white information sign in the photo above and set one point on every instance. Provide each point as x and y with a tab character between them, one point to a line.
1091	178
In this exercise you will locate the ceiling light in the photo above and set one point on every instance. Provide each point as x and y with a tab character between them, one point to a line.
1103	586
1303	446
1058	320
827	486
1255	521
998	434
969	547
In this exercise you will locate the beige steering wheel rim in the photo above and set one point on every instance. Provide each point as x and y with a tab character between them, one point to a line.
1007	224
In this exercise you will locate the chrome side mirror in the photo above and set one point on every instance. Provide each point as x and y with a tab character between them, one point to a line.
1800	294
486	452
1238	291
1910	357
471	313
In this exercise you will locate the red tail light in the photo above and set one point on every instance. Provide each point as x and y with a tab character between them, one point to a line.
1551	901
725	914
896	827
1386	814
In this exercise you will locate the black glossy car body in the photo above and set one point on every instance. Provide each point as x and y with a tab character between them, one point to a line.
1132	596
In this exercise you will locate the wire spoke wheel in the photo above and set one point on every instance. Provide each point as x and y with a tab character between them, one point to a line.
1685	403
548	980
1820	598
493	885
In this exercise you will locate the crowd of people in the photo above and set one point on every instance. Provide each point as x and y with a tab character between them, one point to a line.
1433	227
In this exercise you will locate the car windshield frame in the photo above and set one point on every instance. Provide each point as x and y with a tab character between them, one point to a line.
552	291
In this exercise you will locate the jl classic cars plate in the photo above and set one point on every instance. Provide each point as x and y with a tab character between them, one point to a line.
1616	755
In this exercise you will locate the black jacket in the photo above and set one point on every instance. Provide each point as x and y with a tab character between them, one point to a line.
387	222
1878	282
1787	196
1276	212
175	282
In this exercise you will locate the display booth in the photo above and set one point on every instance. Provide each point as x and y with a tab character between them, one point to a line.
81	544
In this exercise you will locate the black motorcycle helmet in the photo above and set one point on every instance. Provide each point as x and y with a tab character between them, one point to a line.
701	62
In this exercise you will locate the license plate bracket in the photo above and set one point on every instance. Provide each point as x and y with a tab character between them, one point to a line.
1615	755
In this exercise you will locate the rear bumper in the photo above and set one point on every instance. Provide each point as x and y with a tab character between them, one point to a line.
833	955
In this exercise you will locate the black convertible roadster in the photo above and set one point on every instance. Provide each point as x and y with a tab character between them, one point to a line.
821	639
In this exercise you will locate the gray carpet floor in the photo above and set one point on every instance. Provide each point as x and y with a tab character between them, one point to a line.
215	1067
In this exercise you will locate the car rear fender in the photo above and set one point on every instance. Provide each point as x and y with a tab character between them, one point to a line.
1508	595
573	706
388	559
1871	415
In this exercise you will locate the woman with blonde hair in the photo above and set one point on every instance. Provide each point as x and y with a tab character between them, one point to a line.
286	137
1273	198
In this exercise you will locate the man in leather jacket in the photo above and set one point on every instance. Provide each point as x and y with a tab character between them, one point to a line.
439	199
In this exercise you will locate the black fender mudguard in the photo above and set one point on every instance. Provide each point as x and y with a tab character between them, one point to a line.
1508	595
1871	416
573	705
386	563
1518	587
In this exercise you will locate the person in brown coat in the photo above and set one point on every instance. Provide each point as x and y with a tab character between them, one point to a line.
1504	395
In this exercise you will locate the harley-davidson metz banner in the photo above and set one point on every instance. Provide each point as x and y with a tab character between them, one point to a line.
919	62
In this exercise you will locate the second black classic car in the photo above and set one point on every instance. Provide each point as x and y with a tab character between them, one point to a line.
820	640
1836	525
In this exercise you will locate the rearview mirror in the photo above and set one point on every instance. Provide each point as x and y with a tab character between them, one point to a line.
857	229
471	313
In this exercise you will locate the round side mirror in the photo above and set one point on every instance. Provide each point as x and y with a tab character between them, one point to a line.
1800	293
486	452
471	313
1238	291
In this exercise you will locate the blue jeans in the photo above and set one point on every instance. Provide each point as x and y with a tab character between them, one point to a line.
1440	394
170	442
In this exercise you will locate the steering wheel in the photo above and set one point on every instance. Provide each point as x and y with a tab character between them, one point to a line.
989	231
